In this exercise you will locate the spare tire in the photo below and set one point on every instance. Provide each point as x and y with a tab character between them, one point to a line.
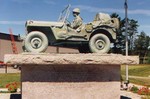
115	22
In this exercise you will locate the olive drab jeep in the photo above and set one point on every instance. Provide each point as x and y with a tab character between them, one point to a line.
93	37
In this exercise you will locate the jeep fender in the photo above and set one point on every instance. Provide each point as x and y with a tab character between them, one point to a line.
108	32
46	30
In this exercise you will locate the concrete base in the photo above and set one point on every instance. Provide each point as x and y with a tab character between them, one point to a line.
71	82
70	76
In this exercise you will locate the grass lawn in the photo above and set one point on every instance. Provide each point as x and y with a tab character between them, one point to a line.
9	78
138	74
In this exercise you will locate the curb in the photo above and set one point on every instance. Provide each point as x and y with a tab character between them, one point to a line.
5	89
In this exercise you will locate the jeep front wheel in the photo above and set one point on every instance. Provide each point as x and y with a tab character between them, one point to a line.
99	43
36	42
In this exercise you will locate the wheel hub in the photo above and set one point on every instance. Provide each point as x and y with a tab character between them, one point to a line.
100	44
36	43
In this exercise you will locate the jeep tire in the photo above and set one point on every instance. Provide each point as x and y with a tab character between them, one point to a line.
99	43
36	42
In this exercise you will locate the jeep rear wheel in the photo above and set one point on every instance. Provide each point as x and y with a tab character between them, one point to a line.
99	43
36	42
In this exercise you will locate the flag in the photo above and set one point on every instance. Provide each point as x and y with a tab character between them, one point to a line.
126	5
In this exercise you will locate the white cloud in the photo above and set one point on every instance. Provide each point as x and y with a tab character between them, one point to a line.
111	10
12	22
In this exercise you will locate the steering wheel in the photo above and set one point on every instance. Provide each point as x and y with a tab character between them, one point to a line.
68	23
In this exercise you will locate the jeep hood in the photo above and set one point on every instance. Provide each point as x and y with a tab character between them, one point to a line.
43	23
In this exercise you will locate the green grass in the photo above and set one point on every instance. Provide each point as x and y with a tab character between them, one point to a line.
8	78
137	70
144	82
142	72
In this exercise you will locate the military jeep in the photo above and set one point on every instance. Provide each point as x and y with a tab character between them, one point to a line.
93	37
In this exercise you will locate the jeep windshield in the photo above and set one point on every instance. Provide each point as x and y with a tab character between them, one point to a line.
64	14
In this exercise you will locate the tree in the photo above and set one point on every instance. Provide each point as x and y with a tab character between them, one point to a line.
119	46
142	42
132	31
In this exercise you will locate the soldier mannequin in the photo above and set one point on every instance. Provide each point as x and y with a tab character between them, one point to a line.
77	22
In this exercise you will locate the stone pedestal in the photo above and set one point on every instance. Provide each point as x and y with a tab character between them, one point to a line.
70	76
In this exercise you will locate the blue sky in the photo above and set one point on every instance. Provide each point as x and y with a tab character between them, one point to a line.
14	13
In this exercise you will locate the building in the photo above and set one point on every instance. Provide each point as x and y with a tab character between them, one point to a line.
6	47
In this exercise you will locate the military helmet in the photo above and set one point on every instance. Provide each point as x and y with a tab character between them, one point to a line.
77	10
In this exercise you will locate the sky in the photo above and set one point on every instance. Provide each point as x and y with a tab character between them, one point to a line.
14	13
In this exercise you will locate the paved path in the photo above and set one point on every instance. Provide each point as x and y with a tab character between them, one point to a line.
5	96
9	70
10	96
123	94
139	77
129	95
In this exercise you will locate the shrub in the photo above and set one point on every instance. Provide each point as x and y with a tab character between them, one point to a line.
12	87
134	89
144	91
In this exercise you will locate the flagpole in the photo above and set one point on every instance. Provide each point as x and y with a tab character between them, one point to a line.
126	32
